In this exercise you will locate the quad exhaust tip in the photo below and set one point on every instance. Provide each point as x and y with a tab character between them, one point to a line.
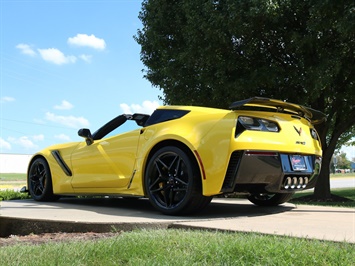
295	182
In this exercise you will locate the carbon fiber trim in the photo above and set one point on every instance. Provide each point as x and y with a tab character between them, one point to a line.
231	174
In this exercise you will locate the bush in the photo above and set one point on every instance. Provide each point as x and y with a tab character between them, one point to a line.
10	194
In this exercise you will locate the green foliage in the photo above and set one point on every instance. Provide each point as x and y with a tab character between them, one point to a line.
179	247
212	53
10	194
343	162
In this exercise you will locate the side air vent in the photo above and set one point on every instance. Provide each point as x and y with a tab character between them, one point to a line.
229	180
61	162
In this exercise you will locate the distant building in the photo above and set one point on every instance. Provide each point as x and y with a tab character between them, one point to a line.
14	163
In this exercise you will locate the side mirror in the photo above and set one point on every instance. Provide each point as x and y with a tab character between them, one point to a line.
86	133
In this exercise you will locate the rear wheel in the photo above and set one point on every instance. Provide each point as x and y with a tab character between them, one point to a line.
173	182
40	181
264	199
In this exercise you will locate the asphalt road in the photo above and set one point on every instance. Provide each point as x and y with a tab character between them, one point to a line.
341	182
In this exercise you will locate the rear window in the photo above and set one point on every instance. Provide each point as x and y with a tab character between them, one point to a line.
160	116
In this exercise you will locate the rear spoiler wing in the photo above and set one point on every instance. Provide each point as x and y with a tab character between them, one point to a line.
314	116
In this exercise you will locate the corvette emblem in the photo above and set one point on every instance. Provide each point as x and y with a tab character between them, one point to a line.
299	131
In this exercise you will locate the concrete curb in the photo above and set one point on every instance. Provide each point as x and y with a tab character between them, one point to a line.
18	226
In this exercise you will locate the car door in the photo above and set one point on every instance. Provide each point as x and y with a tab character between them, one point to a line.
107	163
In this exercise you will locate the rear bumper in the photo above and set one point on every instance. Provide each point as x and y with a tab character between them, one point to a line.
270	172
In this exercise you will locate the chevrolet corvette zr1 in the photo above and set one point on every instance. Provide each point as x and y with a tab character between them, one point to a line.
182	156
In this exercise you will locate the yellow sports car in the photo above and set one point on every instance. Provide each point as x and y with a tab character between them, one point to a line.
182	156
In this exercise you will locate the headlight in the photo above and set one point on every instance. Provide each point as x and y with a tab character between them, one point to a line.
253	123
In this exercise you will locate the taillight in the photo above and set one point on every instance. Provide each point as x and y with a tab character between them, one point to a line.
258	124
314	134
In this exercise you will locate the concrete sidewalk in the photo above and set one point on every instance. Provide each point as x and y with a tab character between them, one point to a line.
106	215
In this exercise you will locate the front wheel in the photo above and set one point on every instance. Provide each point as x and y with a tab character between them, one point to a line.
40	181
173	182
264	199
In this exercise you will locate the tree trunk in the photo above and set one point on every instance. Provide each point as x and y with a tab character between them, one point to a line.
322	188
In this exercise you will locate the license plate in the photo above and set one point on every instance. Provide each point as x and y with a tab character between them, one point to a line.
298	163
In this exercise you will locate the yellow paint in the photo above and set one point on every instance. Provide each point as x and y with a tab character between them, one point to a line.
106	166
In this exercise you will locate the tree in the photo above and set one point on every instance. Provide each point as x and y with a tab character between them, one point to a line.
342	161
213	52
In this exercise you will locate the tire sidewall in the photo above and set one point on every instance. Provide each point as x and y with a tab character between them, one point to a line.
191	181
47	190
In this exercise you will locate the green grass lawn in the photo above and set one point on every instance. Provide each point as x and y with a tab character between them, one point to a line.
346	198
348	193
348	175
12	177
182	247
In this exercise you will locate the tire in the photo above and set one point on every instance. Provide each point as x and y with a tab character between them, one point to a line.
173	182
262	199
40	181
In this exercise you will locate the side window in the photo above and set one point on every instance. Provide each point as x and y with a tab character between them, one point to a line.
118	125
160	116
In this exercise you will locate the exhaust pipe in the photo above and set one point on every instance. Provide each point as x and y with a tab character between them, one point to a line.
295	182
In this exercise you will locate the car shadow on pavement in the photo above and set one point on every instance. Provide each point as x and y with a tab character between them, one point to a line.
134	207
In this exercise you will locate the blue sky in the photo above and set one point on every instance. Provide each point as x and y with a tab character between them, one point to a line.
67	65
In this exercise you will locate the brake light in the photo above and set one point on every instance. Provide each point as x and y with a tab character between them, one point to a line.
261	153
314	134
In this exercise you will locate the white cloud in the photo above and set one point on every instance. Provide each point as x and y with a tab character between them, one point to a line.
6	99
69	121
86	58
65	105
4	145
89	41
62	137
146	108
26	49
26	142
23	141
55	56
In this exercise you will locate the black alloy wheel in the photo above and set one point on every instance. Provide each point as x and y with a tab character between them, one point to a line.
264	199
40	181
173	182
